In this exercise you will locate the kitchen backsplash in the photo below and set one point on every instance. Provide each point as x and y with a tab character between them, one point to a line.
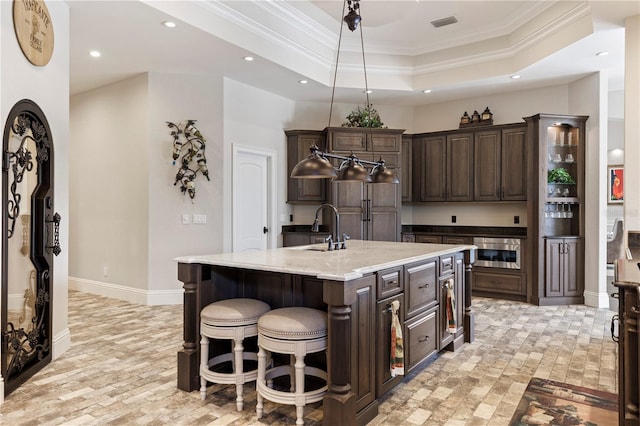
467	214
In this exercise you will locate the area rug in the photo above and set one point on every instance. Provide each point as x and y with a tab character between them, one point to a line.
546	402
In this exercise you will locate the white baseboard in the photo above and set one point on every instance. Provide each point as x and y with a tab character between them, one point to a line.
128	294
61	343
596	300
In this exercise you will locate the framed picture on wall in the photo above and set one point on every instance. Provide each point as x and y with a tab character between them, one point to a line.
616	184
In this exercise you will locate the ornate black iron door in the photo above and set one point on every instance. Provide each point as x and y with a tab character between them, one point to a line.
30	239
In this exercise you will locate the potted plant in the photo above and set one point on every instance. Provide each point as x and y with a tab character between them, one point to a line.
364	117
559	175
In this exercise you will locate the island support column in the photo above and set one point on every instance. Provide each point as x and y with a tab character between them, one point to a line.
191	275
469	315
339	403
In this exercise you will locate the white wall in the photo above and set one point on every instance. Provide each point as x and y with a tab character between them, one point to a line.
133	224
47	86
588	96
256	119
176	97
110	185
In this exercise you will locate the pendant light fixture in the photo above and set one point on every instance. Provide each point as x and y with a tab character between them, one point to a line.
351	169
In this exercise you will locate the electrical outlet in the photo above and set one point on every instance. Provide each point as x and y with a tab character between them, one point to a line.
453	219
105	271
200	218
516	219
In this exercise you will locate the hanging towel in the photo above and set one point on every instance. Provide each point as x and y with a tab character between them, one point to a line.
452	326
397	346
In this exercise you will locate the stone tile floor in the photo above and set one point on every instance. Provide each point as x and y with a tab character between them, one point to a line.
121	370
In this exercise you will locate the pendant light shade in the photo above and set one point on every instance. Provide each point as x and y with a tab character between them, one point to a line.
315	166
352	170
381	174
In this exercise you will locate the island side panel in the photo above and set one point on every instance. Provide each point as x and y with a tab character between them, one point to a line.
469	315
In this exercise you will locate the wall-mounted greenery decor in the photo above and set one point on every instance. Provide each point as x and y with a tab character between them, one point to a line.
188	147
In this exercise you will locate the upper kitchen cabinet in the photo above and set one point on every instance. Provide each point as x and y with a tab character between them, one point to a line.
500	164
358	139
304	191
367	211
406	168
556	213
443	167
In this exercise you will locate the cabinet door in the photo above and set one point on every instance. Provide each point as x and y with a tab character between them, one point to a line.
433	239
405	169
459	170
304	190
429	174
349	199
514	164
572	284
554	267
384	381
347	141
380	141
445	336
486	167
383	201
363	331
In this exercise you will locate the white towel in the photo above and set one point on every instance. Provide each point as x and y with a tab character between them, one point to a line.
397	345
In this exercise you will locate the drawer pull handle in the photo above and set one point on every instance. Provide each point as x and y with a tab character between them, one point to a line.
424	339
496	282
424	286
394	282
635	309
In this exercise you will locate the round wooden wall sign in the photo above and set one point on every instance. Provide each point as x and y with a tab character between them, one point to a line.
34	30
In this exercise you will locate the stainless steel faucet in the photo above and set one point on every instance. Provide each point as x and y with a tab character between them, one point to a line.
334	242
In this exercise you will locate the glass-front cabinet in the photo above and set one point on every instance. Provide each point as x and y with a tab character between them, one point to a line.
557	212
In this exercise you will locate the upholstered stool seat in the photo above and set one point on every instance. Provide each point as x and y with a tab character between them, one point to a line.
231	319
295	331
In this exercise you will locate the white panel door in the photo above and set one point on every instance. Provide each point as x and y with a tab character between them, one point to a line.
250	200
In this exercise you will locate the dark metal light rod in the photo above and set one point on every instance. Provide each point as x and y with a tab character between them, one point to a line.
342	157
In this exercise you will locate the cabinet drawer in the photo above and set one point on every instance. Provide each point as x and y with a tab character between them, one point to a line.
408	238
421	338
498	283
348	141
422	289
446	264
433	239
457	240
388	143
389	282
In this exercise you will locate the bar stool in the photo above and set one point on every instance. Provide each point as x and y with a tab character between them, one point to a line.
231	319
295	331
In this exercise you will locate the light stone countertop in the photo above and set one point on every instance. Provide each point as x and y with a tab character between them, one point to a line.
359	259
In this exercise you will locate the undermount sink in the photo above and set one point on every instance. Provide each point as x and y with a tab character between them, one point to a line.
309	248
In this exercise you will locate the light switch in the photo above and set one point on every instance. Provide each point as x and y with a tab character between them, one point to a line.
200	218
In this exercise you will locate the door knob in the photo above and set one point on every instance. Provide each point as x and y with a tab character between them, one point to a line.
265	230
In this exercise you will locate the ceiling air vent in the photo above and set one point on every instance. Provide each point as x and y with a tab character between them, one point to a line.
444	21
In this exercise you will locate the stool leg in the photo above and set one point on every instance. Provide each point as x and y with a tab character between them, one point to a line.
292	373
204	361
262	370
300	399
238	371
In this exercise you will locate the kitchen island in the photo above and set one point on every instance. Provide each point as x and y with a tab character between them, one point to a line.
355	286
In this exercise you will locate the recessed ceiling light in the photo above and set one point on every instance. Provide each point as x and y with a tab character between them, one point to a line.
603	53
426	91
248	58
169	24
95	54
515	77
302	81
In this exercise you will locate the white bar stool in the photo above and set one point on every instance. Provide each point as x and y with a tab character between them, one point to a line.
231	319
295	331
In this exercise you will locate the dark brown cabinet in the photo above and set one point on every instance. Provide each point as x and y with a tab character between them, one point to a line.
563	278
384	381
304	191
500	165
406	165
556	212
367	211
443	167
421	286
421	338
451	274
